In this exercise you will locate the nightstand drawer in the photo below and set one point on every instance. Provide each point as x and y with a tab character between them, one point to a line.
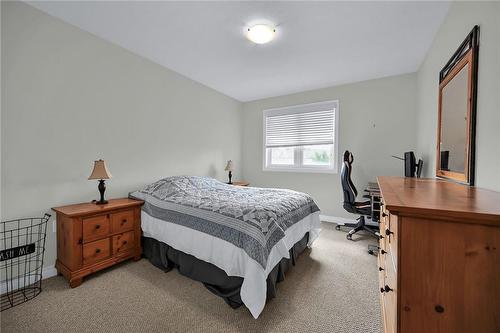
123	242
95	227
122	221
96	251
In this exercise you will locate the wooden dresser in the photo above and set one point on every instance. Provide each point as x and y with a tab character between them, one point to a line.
439	258
92	237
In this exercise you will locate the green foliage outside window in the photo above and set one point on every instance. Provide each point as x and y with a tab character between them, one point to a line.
321	157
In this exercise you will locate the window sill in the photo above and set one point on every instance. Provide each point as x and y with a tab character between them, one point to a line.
300	170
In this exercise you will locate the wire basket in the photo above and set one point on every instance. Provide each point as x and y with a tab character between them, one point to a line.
22	245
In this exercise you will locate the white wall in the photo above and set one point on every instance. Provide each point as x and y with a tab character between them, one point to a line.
377	120
69	98
459	22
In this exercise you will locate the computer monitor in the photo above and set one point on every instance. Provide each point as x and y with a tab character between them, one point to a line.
420	165
410	164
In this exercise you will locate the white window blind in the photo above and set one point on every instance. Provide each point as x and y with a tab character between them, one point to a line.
300	126
301	138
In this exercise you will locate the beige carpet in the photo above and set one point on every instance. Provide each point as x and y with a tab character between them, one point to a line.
333	288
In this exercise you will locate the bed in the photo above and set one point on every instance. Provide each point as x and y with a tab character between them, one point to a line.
238	241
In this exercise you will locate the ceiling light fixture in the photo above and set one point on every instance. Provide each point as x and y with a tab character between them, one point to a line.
261	33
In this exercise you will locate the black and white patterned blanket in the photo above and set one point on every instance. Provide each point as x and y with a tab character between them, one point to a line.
253	219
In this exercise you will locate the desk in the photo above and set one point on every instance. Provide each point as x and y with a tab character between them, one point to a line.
374	194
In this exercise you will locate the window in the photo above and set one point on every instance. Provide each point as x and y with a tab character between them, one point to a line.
301	138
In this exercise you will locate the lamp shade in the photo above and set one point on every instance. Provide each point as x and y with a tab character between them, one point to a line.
100	171
229	166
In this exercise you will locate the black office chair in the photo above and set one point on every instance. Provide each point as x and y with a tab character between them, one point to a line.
350	204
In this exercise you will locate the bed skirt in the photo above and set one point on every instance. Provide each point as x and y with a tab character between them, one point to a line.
215	279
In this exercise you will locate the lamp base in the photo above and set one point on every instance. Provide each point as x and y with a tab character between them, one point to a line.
103	202
102	188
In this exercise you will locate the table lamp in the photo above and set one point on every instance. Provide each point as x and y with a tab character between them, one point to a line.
100	172
229	167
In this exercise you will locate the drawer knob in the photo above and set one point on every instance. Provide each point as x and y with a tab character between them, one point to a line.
124	242
384	214
383	252
380	237
380	269
385	289
124	221
388	232
439	308
97	226
97	250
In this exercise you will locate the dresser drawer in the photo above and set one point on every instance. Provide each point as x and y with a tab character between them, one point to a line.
382	239
392	238
122	221
96	251
390	298
95	227
382	299
381	270
123	242
382	243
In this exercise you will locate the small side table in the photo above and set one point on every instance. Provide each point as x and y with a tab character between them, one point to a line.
92	237
241	183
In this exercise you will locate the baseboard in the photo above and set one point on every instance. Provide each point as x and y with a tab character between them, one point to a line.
343	220
336	219
47	272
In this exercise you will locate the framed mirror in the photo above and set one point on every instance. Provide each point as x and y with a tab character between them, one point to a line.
457	113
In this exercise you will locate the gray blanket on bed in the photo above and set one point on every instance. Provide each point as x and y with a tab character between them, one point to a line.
253	219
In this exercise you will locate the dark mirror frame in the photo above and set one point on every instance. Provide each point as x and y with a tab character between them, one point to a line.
466	54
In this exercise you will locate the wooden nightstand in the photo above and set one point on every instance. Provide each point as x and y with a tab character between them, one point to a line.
92	237
240	183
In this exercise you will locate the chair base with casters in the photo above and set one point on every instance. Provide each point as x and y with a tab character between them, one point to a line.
361	225
373	249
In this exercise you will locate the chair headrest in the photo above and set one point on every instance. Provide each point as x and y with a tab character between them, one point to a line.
348	157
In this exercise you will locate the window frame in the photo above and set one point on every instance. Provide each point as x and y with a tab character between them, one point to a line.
298	165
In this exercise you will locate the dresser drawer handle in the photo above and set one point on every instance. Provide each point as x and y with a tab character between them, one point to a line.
385	289
384	214
388	232
97	226
380	237
124	221
124	243
97	250
383	252
380	269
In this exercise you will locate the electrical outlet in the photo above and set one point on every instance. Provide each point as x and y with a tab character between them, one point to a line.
54	226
